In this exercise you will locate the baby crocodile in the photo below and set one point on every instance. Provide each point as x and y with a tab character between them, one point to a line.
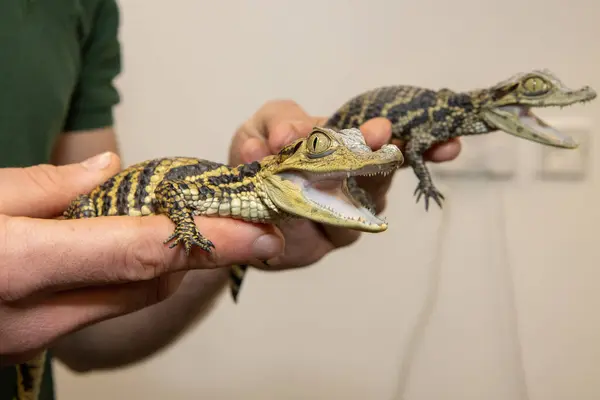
306	179
422	117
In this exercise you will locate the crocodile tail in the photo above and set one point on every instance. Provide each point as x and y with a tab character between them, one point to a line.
29	377
236	278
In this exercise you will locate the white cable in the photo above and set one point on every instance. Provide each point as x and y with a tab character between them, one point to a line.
431	298
510	295
424	316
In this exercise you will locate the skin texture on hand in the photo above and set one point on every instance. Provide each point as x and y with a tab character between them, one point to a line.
280	122
57	276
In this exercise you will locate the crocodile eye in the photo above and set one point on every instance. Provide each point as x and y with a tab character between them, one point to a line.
318	142
536	86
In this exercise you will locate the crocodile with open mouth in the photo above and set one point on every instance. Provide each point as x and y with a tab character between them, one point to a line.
306	179
422	118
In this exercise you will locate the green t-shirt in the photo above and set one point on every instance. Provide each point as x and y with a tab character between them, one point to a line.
58	62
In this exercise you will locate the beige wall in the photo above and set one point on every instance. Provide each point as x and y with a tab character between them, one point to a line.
511	309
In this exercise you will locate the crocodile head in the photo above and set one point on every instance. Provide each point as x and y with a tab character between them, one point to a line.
507	106
309	177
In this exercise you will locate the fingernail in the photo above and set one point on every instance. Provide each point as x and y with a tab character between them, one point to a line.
267	247
97	162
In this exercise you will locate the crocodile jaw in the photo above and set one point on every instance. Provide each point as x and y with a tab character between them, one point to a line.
514	116
325	198
520	121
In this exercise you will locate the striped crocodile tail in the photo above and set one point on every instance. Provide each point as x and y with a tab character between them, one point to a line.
236	278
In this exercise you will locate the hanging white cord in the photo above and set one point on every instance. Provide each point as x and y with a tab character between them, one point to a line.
513	313
424	316
431	298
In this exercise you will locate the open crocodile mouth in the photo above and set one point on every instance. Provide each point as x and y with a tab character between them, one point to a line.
524	123
331	192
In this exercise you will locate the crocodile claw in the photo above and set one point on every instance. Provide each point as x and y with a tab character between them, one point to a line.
189	239
428	191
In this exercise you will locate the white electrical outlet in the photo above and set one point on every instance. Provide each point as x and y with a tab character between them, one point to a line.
566	164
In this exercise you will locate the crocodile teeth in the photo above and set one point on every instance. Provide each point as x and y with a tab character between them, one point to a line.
533	127
329	192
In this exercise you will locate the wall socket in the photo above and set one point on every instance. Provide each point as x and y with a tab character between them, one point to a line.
566	164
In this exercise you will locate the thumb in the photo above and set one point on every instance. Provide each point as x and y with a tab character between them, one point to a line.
45	191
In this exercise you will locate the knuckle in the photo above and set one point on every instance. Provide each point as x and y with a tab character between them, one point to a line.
144	260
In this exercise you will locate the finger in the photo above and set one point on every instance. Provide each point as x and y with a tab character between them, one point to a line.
247	145
300	235
340	237
44	191
76	253
274	125
377	132
253	150
282	122
65	312
284	132
444	152
11	359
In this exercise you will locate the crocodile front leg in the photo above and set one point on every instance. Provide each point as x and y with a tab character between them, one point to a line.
178	199
420	141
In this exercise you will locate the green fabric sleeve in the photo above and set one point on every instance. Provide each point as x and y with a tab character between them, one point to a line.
92	103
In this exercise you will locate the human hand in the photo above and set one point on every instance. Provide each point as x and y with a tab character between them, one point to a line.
57	276
278	123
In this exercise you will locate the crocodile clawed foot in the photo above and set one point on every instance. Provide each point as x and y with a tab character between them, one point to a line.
428	191
189	236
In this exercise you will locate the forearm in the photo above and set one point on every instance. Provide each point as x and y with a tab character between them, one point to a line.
134	337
